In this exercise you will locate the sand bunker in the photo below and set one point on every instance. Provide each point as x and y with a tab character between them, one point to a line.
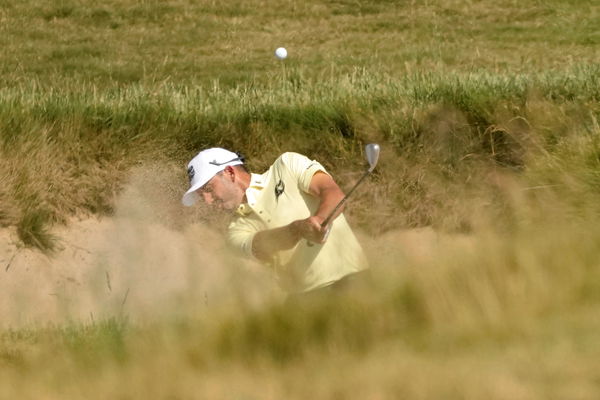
149	260
153	259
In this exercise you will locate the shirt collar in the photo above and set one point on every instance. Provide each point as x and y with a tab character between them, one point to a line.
256	181
256	184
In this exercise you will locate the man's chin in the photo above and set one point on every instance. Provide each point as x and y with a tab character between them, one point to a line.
227	207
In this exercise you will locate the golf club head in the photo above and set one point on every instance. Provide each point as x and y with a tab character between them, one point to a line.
372	154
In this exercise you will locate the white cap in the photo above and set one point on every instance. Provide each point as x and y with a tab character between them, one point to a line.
204	166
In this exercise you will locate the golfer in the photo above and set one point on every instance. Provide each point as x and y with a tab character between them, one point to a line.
278	215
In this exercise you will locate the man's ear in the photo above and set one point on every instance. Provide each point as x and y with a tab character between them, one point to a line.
229	172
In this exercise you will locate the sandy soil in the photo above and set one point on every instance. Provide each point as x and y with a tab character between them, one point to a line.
154	259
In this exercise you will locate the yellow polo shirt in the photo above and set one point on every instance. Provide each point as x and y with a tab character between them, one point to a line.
280	196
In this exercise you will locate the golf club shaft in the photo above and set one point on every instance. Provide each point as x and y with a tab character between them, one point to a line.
328	219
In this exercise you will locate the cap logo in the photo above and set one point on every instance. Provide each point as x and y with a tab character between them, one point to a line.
191	172
218	164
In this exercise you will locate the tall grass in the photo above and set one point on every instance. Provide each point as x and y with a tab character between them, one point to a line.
69	150
502	317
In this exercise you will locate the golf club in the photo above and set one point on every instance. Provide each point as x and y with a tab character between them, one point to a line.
372	155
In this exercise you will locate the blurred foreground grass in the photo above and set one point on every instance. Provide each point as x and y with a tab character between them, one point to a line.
505	317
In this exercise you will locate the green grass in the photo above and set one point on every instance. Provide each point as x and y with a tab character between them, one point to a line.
194	43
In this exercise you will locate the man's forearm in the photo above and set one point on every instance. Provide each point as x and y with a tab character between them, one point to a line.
330	198
266	243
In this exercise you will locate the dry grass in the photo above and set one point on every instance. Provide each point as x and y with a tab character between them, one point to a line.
68	154
480	316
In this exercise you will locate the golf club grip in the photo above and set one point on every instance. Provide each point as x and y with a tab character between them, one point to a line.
330	216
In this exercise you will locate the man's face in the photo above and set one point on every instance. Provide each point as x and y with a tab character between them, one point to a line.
221	192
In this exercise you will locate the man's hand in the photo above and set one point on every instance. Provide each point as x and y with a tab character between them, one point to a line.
311	229
267	243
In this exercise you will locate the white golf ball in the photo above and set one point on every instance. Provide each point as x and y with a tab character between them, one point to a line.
281	53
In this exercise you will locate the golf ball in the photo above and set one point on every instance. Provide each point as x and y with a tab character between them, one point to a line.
281	53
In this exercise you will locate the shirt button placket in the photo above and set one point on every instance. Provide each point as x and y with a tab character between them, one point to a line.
263	215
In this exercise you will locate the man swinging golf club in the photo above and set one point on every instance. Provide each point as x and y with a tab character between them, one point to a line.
289	217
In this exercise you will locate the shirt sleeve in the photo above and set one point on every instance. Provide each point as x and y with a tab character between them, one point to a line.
302	168
240	236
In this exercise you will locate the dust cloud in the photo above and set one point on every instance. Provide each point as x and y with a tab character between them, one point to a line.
152	259
155	259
